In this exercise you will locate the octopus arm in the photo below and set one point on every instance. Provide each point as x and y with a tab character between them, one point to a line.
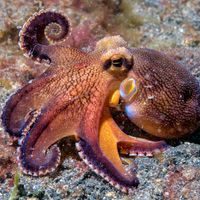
100	152
38	153
33	96
127	144
60	55
42	38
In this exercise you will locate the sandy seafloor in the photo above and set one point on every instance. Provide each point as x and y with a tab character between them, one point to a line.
172	26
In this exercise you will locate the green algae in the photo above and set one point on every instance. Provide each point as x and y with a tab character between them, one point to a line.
2	35
15	189
5	83
129	16
161	44
9	33
127	23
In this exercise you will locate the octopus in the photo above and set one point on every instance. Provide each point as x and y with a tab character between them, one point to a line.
73	96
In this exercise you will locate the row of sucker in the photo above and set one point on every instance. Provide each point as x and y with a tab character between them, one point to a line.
42	29
100	172
24	165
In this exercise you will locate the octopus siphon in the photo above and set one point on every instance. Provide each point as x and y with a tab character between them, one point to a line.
72	98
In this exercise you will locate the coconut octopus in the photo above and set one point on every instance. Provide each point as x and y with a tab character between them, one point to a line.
72	98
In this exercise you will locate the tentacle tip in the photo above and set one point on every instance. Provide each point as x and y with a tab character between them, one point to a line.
124	188
127	189
43	28
136	182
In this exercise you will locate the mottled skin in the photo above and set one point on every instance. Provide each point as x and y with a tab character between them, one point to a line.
73	97
167	101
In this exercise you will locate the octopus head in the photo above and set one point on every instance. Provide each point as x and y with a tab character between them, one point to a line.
115	55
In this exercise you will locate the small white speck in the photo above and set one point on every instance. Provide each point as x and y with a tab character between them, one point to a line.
151	97
148	86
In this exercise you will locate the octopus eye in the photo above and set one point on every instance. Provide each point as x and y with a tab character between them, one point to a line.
118	59
118	62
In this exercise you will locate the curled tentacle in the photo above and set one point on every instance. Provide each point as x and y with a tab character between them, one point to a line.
31	160
54	32
38	153
41	30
